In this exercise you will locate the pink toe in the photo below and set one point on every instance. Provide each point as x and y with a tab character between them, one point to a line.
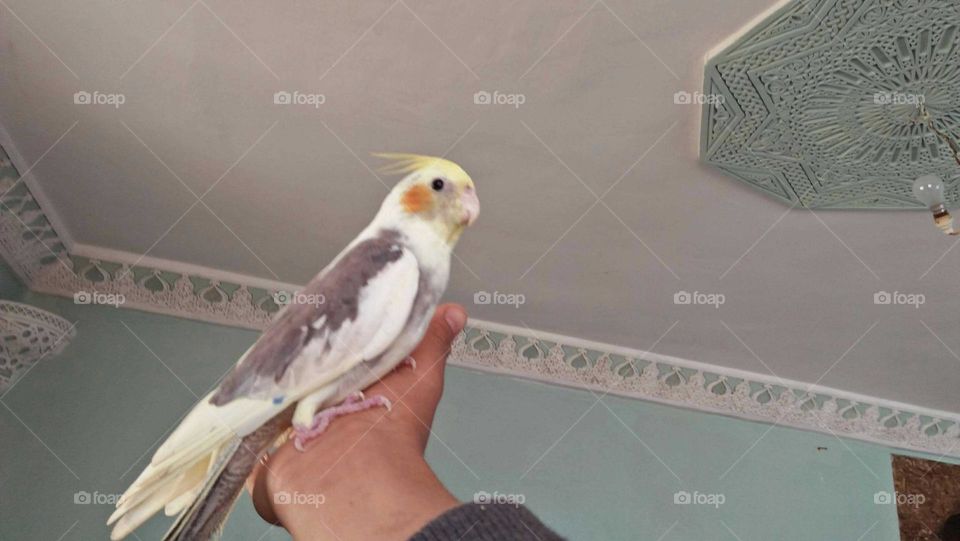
322	419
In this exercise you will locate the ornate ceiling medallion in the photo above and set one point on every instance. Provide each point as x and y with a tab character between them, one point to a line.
822	102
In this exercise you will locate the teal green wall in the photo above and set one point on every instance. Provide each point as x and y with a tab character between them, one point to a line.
10	286
102	406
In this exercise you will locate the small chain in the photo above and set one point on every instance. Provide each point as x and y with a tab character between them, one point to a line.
926	118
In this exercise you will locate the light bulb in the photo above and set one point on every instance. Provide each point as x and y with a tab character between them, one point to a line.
929	190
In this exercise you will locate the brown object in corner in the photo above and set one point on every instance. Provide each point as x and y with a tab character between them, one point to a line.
928	493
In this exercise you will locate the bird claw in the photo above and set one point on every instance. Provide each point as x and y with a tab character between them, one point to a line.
409	361
355	402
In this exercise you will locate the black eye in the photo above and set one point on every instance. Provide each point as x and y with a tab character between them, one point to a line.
437	184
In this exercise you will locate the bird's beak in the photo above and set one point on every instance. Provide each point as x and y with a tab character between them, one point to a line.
469	205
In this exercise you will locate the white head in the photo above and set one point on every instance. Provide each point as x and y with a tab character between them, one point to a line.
435	191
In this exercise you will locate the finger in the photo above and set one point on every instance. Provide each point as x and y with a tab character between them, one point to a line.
447	323
421	388
431	356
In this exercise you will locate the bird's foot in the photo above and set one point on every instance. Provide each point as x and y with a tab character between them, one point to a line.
352	404
409	361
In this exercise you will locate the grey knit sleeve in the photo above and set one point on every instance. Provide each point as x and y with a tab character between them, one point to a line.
496	522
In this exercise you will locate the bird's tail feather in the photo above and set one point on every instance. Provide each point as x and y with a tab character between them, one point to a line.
206	515
188	459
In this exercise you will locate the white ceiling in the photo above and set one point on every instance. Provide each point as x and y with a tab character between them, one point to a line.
598	78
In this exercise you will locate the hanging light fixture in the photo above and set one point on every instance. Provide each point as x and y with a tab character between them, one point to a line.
928	189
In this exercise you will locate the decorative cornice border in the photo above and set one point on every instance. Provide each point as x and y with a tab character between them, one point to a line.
28	241
31	245
607	369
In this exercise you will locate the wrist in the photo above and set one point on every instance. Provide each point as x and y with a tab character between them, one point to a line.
405	497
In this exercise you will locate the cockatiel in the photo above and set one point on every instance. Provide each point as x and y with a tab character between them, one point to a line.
373	304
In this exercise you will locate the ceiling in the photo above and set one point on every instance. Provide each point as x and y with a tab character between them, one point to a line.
595	206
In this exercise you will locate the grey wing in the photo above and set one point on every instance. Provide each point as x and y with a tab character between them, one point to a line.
360	305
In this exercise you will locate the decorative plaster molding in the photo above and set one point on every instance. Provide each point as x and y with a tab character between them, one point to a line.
817	103
230	299
606	369
27	239
27	335
165	291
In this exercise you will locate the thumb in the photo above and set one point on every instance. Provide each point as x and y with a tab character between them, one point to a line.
447	323
431	357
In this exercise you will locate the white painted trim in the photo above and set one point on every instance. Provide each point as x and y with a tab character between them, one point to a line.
554	363
750	25
698	122
697	366
122	256
49	289
547	380
118	256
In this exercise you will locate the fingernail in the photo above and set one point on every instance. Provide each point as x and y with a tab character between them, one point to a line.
456	319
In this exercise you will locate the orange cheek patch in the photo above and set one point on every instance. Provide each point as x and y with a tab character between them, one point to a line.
417	199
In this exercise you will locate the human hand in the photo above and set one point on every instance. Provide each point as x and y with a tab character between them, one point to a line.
365	477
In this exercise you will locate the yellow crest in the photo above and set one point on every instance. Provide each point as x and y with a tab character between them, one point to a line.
408	163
